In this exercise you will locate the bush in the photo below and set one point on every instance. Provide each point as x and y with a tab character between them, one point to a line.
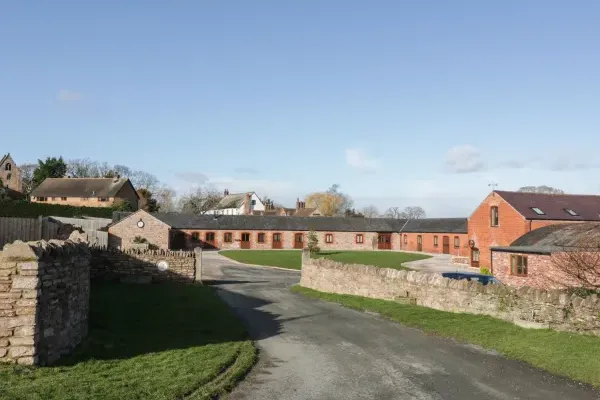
485	271
313	242
25	209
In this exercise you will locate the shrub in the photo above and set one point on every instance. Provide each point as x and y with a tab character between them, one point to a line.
313	242
485	271
25	209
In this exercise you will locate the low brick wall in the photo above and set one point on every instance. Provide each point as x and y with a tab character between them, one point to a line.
555	309
148	265
44	300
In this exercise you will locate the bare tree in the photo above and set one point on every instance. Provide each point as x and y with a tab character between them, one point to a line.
200	200
541	189
393	212
414	212
144	180
27	177
82	168
165	197
122	170
578	267
331	202
370	211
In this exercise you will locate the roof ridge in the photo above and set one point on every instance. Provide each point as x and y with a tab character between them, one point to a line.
546	194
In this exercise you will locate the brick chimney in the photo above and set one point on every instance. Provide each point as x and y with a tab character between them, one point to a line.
247	205
297	203
226	192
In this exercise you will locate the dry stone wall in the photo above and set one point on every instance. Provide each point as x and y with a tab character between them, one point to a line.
44	299
142	265
554	309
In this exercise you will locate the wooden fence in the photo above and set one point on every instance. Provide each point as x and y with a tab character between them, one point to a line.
27	229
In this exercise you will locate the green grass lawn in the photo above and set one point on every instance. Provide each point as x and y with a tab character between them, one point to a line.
291	258
572	355
145	342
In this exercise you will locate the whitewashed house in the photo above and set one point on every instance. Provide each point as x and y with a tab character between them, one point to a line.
238	204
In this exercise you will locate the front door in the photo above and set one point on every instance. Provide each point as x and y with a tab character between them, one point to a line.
277	243
419	243
298	240
475	258
384	241
209	240
245	243
446	245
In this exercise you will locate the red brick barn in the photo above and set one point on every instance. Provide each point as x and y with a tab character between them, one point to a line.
435	235
505	216
551	257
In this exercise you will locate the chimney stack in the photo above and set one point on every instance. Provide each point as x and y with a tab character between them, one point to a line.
226	192
297	203
247	205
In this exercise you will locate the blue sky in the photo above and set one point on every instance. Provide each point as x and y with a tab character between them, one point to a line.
401	103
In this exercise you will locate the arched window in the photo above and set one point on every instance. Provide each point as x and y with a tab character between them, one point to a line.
8	167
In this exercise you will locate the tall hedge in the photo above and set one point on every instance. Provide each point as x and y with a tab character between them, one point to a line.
25	209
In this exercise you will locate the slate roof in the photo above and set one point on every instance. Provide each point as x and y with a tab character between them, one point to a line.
4	158
80	187
553	205
293	223
559	237
233	200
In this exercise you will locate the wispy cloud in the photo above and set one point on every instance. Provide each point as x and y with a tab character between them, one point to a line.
464	159
359	160
566	163
192	177
68	95
246	170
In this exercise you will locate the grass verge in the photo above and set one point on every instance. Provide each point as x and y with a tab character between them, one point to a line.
572	355
291	259
145	342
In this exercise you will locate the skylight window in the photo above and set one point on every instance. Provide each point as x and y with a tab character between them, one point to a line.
537	211
571	212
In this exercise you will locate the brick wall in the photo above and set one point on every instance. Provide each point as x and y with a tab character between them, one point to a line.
341	240
428	240
542	270
44	300
140	265
554	309
123	234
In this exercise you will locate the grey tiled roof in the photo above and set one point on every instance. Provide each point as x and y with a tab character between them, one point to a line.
554	206
437	225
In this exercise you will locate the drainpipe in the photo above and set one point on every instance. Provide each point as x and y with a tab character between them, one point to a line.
401	229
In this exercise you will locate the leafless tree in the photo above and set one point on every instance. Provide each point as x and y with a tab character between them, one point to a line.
414	212
27	177
541	189
200	200
578	264
82	168
393	212
165	197
370	211
144	180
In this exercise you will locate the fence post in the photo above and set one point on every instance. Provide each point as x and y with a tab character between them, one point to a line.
198	257
40	228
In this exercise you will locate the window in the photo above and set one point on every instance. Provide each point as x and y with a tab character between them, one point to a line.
405	239
54	199
8	167
102	199
63	199
360	238
494	216
328	238
518	265
571	212
42	198
245	237
260	237
456	242
299	238
253	202
277	237
195	236
435	241
419	239
227	237
210	236
537	211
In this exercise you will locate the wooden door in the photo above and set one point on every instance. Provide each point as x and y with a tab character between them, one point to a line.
298	240
384	241
209	240
245	242
277	242
475	258
446	245
419	243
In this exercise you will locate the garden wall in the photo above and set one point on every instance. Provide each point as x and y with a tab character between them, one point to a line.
143	265
44	299
526	306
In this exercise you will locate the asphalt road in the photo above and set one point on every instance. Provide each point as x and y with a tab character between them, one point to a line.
310	349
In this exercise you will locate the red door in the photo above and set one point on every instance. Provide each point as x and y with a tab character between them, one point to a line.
245	242
475	258
277	242
298	240
419	243
384	241
446	245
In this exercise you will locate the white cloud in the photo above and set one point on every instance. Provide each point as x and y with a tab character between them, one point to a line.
359	160
464	159
68	95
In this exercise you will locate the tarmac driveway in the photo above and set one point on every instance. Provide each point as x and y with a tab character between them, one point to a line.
310	349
